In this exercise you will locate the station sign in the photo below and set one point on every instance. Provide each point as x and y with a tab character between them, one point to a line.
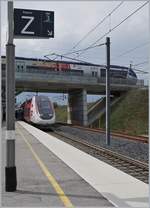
33	23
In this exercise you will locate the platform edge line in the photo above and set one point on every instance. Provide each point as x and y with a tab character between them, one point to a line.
66	201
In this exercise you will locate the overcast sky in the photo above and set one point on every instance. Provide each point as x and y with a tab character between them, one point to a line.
74	19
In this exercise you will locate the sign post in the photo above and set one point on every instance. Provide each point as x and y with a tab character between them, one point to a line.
108	91
22	23
10	170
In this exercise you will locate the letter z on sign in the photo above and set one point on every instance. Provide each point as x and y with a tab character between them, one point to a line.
24	30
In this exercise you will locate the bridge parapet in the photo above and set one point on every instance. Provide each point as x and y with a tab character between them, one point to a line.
76	76
121	81
55	77
45	80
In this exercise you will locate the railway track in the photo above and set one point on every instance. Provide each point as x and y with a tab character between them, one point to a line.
128	165
142	139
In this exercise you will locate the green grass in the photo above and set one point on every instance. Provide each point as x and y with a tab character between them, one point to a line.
130	115
61	113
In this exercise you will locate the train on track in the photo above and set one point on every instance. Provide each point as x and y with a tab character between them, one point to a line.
38	110
76	68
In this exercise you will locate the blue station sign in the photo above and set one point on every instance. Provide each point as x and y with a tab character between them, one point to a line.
33	23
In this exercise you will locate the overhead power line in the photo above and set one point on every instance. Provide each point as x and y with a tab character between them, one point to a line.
132	49
140	71
141	63
97	25
85	49
121	22
66	57
116	26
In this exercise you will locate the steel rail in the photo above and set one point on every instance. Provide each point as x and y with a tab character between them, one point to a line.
142	139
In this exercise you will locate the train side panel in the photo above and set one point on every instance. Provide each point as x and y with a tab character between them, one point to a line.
98	71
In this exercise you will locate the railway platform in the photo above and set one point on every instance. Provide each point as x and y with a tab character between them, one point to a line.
53	173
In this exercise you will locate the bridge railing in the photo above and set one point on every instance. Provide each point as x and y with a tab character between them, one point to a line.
121	81
50	72
140	82
55	77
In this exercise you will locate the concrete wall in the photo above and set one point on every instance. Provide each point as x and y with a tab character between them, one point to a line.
77	107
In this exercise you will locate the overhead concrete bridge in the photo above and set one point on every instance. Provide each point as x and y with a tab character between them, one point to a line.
77	87
51	81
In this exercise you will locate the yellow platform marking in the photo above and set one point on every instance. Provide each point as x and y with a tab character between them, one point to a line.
50	177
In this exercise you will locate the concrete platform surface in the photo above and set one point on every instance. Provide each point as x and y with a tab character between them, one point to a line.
118	187
44	180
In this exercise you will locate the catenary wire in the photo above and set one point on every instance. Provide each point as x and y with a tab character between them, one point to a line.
92	45
116	26
132	49
64	55
141	63
84	49
97	25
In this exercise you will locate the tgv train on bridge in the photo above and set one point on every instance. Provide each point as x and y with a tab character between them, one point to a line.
38	110
76	68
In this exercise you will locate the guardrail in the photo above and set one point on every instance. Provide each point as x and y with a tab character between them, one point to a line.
55	77
120	81
45	71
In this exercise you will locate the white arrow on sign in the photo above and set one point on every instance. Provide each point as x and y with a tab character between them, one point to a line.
50	32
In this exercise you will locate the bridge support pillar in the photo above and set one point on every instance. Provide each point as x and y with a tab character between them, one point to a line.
77	107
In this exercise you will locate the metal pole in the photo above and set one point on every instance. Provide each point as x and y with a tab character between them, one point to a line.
10	169
68	112
108	91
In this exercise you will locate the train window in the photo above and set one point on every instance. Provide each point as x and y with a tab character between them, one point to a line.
44	105
18	68
3	66
94	74
118	73
20	65
132	73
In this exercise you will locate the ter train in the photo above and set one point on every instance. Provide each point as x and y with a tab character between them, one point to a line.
39	110
99	71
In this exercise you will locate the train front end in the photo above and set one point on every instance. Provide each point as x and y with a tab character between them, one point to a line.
43	112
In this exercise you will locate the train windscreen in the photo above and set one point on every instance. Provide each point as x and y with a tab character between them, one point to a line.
44	107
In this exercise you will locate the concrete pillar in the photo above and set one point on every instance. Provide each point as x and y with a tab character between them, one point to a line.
77	100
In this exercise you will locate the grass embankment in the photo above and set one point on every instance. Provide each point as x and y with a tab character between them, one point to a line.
130	115
61	113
